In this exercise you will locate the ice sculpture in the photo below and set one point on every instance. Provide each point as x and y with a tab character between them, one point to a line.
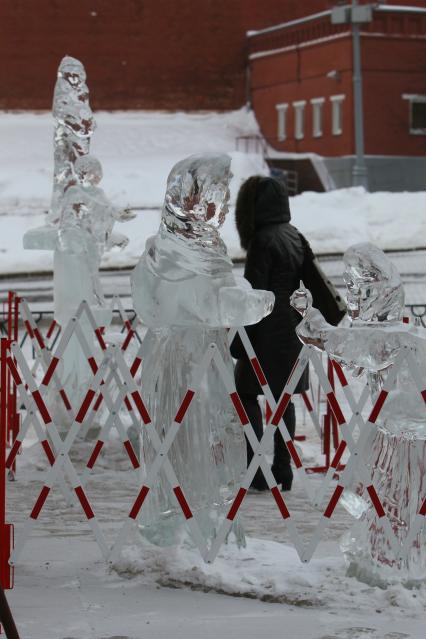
83	234
184	290
74	126
396	453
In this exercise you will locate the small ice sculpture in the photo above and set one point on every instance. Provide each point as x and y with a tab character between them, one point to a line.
79	240
74	126
184	290
397	456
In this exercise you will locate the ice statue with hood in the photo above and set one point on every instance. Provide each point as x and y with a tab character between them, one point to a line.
185	292
84	232
74	127
395	454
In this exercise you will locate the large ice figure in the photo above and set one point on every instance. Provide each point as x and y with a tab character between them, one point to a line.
184	290
396	455
74	126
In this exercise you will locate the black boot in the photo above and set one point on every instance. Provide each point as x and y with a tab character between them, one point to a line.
281	468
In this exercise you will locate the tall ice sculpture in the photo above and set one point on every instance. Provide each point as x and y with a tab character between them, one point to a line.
79	229
184	290
395	454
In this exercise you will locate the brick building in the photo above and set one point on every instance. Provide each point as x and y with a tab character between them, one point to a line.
194	54
302	92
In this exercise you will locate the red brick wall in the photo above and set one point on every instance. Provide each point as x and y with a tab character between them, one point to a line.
392	67
301	75
393	62
171	54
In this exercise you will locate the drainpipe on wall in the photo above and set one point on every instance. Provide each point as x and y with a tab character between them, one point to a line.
356	15
359	169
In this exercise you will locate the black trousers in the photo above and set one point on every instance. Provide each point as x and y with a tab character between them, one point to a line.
281	468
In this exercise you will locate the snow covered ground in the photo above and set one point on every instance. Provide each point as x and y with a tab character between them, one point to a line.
137	150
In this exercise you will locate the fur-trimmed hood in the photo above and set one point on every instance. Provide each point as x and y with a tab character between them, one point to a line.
261	201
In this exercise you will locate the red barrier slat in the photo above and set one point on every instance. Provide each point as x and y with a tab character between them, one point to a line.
340	374
237	503
184	406
333	501
259	372
49	452
84	502
127	340
65	399
131	453
95	454
338	454
376	501
423	509
128	403
307	401
101	340
29	329
85	405
424	395
281	408
14	371
49	373
13	452
239	408
280	502
378	406
141	407
135	366
293	453
39	338
40	502
51	329
182	501
42	407
139	501
92	364
98	403
334	405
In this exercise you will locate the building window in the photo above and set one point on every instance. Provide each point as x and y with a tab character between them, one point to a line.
281	113
417	104
337	114
317	116
299	119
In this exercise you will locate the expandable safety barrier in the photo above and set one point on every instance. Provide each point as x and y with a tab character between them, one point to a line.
113	385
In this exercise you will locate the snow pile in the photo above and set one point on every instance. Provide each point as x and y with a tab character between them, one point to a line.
137	151
268	571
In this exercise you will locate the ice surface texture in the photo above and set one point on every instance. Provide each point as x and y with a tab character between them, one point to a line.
74	126
397	455
184	290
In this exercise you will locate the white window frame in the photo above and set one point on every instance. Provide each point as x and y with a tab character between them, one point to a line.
413	98
317	116
337	113
299	119
281	121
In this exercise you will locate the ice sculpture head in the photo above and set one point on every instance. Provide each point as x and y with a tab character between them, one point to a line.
72	71
88	170
197	194
374	287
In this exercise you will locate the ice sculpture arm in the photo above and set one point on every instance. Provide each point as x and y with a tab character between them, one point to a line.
239	306
364	346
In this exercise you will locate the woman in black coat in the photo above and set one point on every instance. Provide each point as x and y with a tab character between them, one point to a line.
274	260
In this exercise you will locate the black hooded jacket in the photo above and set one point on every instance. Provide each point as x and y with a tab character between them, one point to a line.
274	259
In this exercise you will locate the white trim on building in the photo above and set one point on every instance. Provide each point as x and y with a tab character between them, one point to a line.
337	113
317	116
281	121
299	119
